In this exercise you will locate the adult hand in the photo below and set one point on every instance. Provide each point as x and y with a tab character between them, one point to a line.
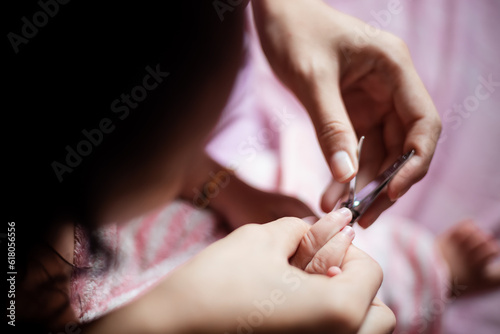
245	283
353	80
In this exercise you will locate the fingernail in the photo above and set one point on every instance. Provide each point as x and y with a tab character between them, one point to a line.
342	166
345	212
348	231
333	271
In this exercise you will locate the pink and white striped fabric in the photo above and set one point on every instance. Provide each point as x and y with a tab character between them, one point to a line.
145	250
416	281
140	253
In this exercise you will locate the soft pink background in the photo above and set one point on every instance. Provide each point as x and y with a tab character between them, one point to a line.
453	43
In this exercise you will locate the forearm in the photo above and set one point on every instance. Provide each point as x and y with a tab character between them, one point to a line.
207	183
265	7
264	11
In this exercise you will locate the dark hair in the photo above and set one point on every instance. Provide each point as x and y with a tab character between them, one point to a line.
62	82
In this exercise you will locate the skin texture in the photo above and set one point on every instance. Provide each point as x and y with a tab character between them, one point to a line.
224	282
316	254
337	282
352	83
237	202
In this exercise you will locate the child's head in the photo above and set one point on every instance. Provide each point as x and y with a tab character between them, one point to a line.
108	109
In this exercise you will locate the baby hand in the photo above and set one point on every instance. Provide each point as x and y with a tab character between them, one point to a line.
323	247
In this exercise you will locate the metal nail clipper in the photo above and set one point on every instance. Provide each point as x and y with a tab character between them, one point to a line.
360	202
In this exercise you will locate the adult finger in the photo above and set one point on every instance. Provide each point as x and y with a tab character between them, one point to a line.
331	195
379	205
334	130
423	126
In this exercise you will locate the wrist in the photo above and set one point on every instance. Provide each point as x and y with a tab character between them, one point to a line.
209	191
224	191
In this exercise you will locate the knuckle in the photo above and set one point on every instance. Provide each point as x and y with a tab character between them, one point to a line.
302	67
438	124
376	270
250	230
332	130
400	44
299	223
434	126
397	46
309	241
318	265
395	52
250	234
295	220
312	68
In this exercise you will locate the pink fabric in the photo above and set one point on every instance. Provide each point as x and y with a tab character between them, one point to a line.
454	45
142	252
266	136
455	48
416	282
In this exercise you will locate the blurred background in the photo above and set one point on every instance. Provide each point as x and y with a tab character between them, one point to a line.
265	135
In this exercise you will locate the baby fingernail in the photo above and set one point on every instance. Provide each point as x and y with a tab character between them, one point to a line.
345	212
333	271
342	166
348	231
